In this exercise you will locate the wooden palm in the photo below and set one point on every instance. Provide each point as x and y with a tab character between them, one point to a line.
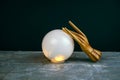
82	40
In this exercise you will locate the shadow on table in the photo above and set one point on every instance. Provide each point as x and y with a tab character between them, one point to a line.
40	58
74	59
37	58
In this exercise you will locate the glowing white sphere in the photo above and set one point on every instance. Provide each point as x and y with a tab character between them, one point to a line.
57	46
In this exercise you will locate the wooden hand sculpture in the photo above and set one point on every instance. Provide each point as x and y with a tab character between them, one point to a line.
82	40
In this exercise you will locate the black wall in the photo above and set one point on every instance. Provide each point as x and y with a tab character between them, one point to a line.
23	23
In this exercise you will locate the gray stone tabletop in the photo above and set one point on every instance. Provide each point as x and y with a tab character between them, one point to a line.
32	65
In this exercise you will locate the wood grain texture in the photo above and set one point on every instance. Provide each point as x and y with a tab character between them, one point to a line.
32	65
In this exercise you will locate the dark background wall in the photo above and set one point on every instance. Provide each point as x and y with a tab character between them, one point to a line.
23	23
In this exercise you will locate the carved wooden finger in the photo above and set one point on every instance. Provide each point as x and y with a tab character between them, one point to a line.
76	28
80	36
72	35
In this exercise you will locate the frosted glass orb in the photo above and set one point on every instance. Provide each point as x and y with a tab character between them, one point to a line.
57	46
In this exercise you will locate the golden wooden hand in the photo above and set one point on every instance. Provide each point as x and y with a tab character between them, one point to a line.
82	40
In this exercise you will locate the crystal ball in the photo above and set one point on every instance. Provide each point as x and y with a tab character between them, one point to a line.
57	46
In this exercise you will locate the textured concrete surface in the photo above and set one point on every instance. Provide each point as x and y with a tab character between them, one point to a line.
28	65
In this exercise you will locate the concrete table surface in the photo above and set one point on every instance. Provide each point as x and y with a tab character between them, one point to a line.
32	65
